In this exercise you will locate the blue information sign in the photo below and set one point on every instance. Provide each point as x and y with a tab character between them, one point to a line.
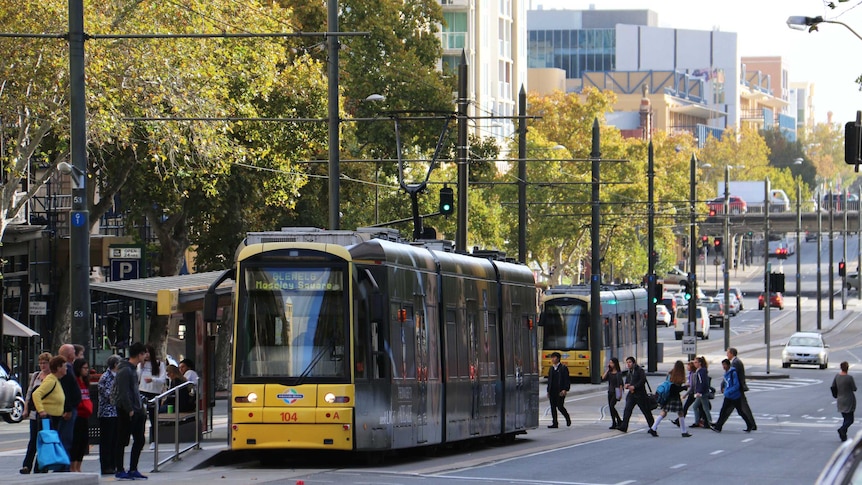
78	219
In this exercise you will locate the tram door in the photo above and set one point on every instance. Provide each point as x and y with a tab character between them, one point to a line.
521	360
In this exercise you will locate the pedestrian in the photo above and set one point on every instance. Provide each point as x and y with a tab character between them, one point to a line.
673	403
746	413
186	403
843	388
49	398
702	406
614	377
732	389
81	435
36	379
131	416
558	386
689	395
73	398
187	367
108	419
635	385
153	381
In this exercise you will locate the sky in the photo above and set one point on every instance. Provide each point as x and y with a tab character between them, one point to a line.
830	57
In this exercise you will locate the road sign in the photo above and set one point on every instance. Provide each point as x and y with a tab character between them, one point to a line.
125	269
38	307
689	345
126	253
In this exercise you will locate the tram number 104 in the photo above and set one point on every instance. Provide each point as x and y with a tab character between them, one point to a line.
288	417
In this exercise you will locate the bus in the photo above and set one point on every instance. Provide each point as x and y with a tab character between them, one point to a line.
565	326
356	341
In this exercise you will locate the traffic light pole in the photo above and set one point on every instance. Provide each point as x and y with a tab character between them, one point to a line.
726	321
767	297
652	331
692	276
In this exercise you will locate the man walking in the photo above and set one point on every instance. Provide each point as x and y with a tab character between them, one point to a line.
69	382
131	417
732	389
636	394
558	386
744	410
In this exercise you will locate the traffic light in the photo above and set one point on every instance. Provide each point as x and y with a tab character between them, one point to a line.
852	142
658	293
447	201
705	241
776	282
712	213
686	289
717	243
842	268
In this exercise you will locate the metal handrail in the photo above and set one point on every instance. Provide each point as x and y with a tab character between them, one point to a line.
154	402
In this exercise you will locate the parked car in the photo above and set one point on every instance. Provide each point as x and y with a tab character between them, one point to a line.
853	280
775	301
735	304
701	324
811	236
674	276
735	205
717	316
805	348
662	315
11	397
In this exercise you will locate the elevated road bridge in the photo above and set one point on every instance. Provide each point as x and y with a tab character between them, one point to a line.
779	222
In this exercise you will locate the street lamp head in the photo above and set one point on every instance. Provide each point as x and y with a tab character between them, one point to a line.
797	161
799	22
64	168
375	98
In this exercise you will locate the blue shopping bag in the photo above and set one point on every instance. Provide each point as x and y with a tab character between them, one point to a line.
50	454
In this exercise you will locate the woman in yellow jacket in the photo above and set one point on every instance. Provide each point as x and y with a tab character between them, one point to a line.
49	397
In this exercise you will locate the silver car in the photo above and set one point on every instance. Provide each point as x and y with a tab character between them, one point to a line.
11	397
806	348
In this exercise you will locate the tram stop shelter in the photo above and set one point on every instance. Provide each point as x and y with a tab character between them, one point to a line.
181	298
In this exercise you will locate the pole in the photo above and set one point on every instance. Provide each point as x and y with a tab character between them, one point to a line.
461	154
79	219
692	277
798	255
596	272
522	175
730	246
334	120
767	297
844	252
832	201
652	330
859	244
819	272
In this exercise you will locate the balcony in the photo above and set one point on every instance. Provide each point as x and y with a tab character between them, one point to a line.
454	40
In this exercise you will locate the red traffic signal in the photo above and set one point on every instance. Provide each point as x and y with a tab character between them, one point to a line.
842	268
717	242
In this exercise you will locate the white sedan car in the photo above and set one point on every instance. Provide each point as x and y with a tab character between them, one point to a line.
662	315
806	348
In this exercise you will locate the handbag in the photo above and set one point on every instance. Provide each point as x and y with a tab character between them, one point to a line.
50	454
652	398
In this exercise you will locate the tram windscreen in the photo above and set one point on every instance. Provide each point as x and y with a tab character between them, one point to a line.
292	324
565	325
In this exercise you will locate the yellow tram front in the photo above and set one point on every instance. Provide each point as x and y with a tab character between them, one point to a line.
292	385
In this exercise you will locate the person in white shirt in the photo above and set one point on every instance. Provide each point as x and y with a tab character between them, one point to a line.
153	377
187	367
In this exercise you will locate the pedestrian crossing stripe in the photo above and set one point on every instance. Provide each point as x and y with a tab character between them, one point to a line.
779	384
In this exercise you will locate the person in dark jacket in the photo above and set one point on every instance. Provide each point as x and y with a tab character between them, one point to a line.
732	396
745	409
614	377
702	407
131	416
73	398
843	389
635	386
558	386
108	418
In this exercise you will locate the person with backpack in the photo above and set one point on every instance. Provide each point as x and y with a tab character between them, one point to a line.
558	386
131	416
635	386
669	393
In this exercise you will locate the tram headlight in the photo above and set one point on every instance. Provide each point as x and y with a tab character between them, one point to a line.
250	398
332	398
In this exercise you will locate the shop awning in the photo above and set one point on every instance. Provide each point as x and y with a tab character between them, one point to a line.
14	328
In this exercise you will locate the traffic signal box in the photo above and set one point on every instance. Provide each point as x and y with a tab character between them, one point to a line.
776	282
842	268
717	242
687	290
852	143
705	241
447	201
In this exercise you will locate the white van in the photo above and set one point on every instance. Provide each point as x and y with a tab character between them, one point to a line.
701	324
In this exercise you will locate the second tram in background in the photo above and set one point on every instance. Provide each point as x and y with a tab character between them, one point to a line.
564	323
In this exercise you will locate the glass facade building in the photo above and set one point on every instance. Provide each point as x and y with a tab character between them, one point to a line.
574	51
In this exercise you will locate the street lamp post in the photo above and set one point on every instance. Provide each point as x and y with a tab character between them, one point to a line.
799	22
727	245
798	256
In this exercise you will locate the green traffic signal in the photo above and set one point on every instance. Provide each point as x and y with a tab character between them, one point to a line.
447	201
